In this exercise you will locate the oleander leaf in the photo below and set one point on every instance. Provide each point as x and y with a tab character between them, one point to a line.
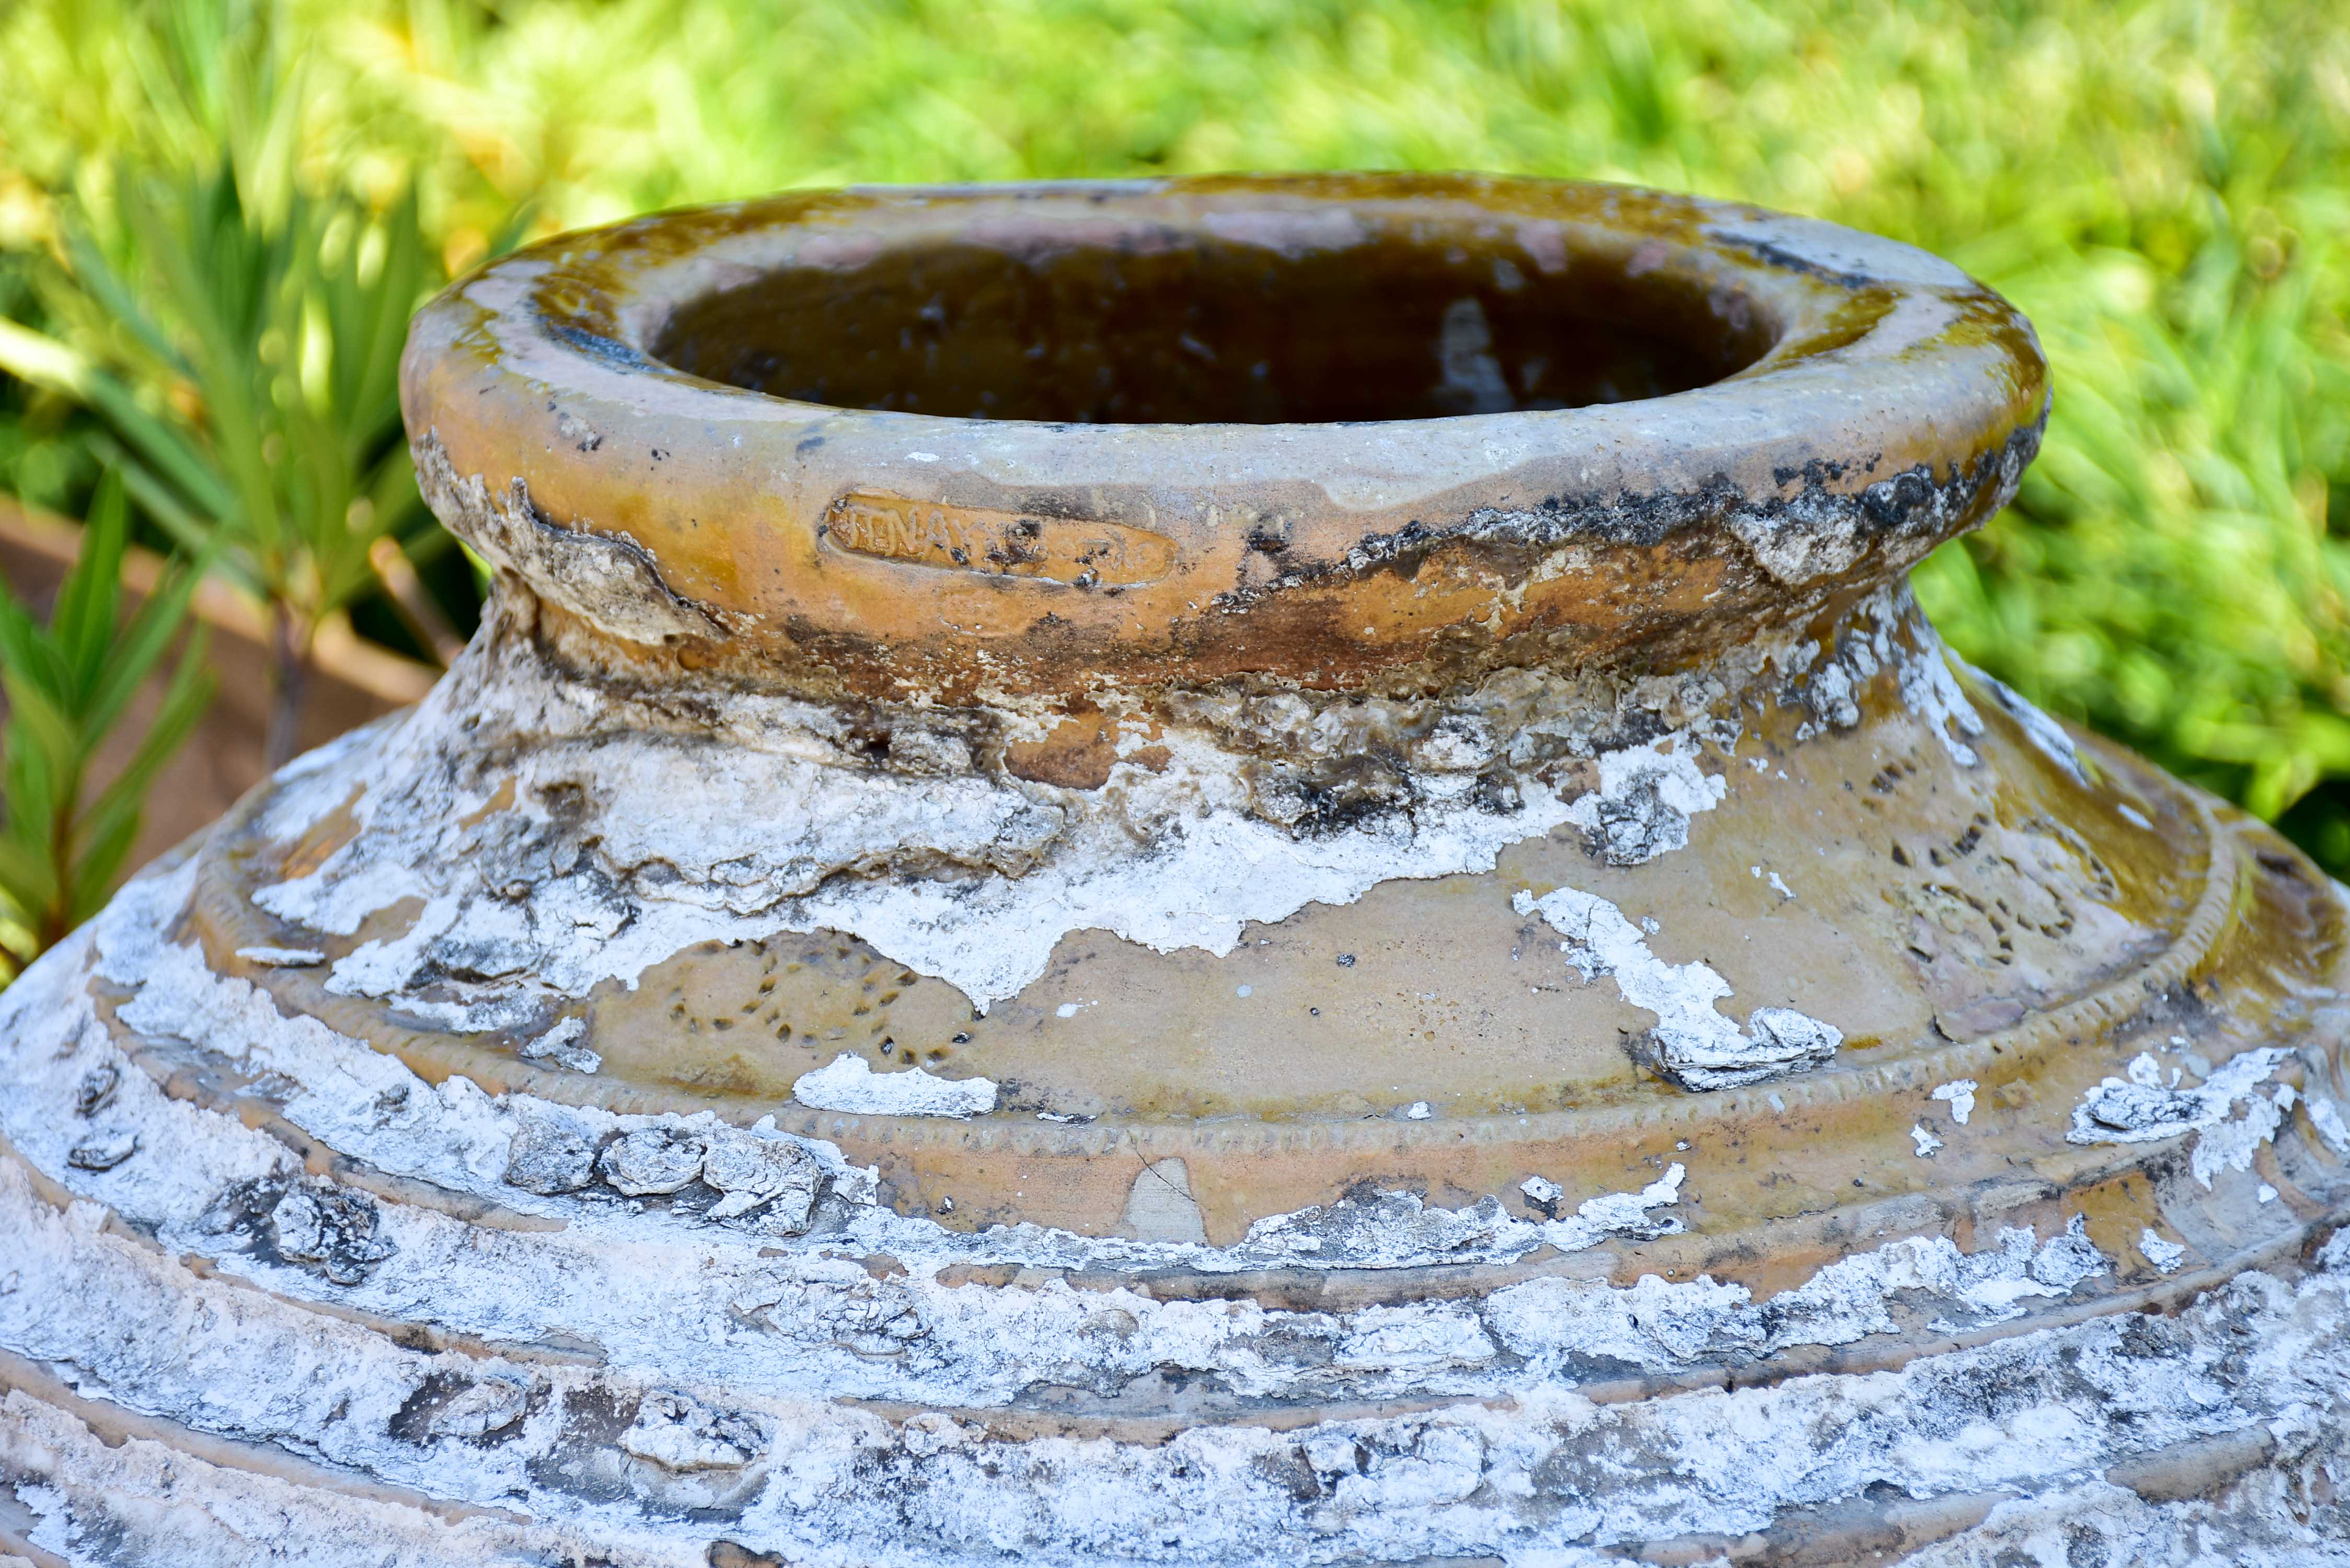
112	821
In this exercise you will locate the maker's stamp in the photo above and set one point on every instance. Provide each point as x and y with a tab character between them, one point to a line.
1080	552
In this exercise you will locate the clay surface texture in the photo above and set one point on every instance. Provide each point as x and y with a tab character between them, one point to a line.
1068	914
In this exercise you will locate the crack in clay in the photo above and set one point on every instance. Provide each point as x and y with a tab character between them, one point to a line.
1695	1044
1853	258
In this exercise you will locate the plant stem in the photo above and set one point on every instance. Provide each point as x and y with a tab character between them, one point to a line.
291	636
414	601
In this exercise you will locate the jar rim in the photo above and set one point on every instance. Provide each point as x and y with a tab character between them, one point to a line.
1880	400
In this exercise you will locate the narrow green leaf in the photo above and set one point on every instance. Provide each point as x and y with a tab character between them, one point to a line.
112	821
82	625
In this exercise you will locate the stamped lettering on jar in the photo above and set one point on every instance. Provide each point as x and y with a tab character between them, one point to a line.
1081	553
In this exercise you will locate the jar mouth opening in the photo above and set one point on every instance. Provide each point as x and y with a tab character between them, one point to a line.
1143	321
962	443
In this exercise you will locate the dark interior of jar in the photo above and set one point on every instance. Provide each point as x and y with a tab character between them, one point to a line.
1179	327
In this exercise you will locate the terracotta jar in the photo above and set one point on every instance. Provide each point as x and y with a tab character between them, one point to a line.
1204	871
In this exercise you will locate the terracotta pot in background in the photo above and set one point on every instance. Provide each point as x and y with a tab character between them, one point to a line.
355	681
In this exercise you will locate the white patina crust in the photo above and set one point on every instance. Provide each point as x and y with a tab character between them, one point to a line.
969	876
751	1372
474	1338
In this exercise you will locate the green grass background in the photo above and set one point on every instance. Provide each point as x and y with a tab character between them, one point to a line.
2164	186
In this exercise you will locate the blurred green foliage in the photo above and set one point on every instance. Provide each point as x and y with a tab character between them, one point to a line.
284	459
2164	185
267	309
64	835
